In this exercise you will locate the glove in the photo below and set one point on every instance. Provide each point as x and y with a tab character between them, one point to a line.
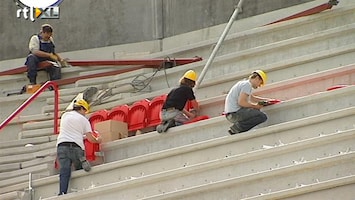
264	103
53	57
193	112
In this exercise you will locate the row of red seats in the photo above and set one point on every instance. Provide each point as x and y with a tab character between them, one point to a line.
139	115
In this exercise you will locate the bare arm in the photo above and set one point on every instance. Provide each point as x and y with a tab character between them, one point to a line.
92	138
258	99
195	109
244	102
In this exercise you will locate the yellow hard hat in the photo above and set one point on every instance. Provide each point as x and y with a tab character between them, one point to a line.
190	75
82	103
263	76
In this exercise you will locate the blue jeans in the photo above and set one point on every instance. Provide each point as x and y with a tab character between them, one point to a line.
68	156
245	119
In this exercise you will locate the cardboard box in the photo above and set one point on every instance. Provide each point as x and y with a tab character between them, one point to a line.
111	130
30	89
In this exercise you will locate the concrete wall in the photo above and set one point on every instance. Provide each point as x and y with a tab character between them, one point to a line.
86	24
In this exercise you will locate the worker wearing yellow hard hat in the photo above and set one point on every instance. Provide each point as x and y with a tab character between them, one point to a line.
81	103
174	111
242	107
74	128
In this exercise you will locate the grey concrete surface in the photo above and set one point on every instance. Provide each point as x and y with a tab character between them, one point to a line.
108	22
306	111
281	134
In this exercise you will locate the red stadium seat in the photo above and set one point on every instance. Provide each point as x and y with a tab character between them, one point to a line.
91	148
188	106
153	115
196	119
98	116
137	115
119	113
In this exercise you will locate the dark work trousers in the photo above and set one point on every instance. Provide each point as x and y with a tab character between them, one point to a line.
246	118
32	62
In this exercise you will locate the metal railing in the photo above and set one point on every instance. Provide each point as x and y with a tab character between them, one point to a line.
31	99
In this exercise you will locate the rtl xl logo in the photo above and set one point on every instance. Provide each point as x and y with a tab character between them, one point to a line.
38	9
33	13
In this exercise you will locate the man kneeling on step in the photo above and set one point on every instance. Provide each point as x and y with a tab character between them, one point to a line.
173	112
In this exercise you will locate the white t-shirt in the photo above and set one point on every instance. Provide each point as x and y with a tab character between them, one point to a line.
73	127
33	45
231	103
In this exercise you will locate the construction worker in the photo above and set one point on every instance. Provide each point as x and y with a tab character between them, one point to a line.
42	48
74	128
173	112
242	108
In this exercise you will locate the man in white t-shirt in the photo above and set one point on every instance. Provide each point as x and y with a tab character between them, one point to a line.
242	107
74	128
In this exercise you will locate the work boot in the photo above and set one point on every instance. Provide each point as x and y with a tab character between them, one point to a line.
165	126
32	80
85	164
235	129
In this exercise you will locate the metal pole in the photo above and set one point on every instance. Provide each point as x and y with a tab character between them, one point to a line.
220	40
30	189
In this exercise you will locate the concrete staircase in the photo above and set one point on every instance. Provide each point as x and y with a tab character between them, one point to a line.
304	151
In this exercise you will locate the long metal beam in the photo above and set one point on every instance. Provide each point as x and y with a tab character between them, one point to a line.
310	11
90	63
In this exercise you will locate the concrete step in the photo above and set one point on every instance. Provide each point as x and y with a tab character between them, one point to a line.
155	161
25	171
328	189
16	195
281	163
38	172
36	133
211	85
23	142
29	148
9	167
264	182
20	168
292	88
219	85
267	34
300	108
41	153
38	124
